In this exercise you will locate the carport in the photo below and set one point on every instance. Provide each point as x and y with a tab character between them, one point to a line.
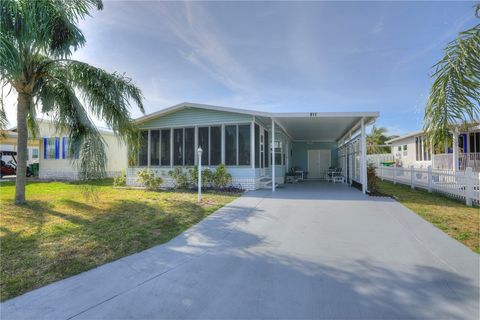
310	130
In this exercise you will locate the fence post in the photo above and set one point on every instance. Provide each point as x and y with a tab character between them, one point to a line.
381	172
412	178
429	178
469	186
394	173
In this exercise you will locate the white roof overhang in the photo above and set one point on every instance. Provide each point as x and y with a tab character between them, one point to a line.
299	126
322	126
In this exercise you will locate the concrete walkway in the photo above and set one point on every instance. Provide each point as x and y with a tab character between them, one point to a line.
311	250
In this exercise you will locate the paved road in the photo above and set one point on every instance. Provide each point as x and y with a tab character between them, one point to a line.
312	250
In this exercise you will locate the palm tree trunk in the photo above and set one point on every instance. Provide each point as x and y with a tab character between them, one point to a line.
24	100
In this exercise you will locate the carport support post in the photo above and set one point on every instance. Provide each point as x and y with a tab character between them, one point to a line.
272	148
199	182
363	159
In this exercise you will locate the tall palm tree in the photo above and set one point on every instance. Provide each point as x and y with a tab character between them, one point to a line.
376	139
455	94
37	39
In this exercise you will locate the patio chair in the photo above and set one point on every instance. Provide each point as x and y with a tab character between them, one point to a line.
300	174
330	173
336	176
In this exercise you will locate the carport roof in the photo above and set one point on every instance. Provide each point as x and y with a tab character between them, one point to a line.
321	126
299	126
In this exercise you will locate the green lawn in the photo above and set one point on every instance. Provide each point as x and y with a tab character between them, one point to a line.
62	232
451	216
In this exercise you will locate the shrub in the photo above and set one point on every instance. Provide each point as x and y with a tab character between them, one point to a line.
149	180
207	176
193	175
221	178
372	184
121	179
180	178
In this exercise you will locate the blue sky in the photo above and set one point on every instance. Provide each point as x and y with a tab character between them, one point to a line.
279	56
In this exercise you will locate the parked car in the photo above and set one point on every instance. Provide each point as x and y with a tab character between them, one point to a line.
10	168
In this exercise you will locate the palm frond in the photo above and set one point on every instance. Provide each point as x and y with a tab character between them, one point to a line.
48	27
376	139
455	94
108	97
70	117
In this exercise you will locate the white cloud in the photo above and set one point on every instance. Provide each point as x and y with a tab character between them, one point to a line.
204	44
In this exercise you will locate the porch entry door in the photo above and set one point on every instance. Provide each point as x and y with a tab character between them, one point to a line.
262	151
318	163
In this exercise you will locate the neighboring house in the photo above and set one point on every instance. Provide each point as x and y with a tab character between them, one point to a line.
8	142
55	162
412	150
241	139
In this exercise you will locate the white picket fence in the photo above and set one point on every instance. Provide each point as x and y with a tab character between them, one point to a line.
463	185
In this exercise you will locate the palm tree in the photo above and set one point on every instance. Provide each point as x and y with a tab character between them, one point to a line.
455	94
37	39
376	141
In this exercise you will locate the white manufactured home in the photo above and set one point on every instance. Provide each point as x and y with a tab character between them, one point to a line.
258	148
411	150
55	161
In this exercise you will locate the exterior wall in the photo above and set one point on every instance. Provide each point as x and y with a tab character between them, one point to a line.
195	117
248	177
408	158
300	152
65	169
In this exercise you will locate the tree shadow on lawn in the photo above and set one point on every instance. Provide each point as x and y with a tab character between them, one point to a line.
88	237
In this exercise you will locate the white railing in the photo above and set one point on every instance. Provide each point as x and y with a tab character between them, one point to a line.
444	161
463	185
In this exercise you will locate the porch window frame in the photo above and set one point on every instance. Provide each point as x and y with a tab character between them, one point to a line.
140	147
220	125
237	124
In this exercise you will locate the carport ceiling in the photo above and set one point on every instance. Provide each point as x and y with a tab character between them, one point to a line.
321	126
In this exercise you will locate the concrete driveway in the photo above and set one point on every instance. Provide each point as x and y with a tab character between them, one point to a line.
311	250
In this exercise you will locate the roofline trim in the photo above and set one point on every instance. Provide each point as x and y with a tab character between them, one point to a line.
405	136
277	115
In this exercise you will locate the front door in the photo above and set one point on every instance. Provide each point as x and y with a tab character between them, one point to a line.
262	152
318	163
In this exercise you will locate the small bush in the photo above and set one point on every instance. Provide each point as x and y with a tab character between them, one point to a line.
147	178
121	179
207	177
180	178
372	184
193	175
221	178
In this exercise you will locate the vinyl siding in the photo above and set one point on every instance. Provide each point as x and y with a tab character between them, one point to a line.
195	116
61	168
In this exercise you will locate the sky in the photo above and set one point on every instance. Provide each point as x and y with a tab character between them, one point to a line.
279	56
